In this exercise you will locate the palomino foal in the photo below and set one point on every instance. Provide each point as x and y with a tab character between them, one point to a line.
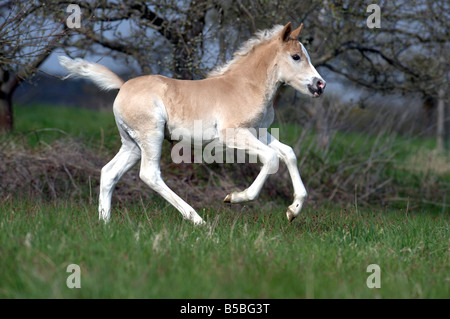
236	96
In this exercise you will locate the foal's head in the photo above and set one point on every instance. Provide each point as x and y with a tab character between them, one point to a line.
295	67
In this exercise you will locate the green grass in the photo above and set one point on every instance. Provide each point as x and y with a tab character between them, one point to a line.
45	123
150	252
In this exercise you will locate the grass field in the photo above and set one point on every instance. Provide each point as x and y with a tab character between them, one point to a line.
245	251
150	252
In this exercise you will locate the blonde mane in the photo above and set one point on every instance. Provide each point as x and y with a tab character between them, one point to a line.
259	38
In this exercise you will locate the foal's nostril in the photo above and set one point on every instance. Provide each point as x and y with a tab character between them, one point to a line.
320	84
317	86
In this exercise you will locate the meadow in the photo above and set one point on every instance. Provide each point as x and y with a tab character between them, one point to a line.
244	251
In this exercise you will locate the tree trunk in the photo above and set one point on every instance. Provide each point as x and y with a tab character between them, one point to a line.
446	124
182	63
6	116
189	40
8	85
441	121
322	125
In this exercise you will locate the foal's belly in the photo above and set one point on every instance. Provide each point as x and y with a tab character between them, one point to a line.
196	132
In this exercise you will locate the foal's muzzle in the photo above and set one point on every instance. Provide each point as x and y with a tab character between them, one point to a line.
317	87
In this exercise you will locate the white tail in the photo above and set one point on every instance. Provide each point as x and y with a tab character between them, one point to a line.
103	77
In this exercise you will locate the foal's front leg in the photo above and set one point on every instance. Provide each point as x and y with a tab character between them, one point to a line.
243	139
287	155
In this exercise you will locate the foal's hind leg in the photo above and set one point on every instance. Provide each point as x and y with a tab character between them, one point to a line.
125	159
151	174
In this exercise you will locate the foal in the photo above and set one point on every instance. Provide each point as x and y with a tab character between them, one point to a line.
236	97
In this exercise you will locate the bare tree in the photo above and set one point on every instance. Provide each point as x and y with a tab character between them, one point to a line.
28	37
155	33
159	34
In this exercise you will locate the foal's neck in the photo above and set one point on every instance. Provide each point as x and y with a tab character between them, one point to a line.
259	72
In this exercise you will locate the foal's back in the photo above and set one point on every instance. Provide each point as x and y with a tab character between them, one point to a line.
222	102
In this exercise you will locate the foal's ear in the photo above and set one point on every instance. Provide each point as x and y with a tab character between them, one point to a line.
296	32
286	32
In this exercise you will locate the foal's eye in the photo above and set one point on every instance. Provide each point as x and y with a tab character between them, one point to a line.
296	57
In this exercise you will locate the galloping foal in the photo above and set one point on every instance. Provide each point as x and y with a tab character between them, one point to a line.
236	96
